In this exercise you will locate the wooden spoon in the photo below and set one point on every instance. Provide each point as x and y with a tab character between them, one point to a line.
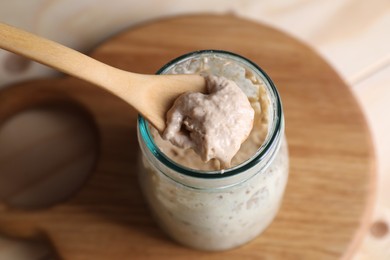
151	95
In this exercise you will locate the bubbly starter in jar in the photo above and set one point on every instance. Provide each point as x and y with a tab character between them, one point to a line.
219	216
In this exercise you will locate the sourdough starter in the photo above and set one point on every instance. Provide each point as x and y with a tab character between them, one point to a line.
219	213
213	124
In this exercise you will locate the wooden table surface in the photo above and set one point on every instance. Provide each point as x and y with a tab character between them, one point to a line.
329	196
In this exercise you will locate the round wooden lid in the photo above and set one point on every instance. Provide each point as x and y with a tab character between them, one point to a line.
329	195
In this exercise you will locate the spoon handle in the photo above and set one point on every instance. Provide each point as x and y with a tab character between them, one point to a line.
59	57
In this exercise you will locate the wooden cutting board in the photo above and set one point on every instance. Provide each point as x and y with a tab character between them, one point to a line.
329	196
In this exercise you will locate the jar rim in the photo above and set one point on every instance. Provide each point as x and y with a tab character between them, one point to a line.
243	166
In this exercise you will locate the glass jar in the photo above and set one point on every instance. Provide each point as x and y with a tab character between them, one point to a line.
217	210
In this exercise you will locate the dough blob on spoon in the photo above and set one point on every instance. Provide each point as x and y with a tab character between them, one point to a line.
213	124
